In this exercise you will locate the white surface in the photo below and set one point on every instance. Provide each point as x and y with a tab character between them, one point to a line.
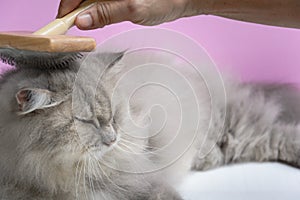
268	181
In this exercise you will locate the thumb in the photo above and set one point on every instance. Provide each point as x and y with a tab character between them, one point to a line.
103	13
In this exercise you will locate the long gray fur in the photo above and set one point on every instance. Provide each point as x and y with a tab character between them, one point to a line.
50	150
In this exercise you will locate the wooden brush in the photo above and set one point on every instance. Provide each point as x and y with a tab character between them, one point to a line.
47	47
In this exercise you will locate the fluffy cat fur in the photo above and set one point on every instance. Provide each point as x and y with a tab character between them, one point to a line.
62	137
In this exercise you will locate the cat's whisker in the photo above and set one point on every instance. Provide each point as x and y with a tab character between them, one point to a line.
99	165
109	179
80	175
133	159
84	179
97	175
140	145
129	148
90	180
100	178
76	177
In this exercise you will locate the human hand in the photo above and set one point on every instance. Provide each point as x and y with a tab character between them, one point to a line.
143	12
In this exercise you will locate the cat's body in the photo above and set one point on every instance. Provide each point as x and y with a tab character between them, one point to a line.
62	137
262	124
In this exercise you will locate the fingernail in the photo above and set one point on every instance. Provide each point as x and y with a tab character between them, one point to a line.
85	20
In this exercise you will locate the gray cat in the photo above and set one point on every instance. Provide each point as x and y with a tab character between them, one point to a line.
64	137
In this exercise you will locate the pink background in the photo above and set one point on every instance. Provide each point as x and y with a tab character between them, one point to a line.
254	52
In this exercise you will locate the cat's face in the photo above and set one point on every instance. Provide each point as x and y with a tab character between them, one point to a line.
79	124
57	124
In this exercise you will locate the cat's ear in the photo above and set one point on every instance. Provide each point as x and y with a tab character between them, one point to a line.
112	65
114	58
29	100
107	59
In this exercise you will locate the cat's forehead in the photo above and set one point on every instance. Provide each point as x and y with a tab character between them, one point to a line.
61	80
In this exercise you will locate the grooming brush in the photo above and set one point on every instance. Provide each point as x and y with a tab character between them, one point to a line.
47	47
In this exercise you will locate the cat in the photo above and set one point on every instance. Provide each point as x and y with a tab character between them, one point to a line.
70	134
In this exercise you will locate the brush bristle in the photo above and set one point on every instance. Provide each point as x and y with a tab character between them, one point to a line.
41	60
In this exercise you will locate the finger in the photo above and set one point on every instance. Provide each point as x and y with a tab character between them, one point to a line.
67	6
103	13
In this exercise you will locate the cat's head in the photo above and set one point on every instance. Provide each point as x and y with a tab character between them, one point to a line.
52	121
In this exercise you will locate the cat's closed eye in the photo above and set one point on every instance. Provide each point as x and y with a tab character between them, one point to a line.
93	122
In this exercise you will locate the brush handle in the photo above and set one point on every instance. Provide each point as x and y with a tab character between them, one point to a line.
62	25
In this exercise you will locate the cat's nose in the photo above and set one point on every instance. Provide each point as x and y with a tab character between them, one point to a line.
109	138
